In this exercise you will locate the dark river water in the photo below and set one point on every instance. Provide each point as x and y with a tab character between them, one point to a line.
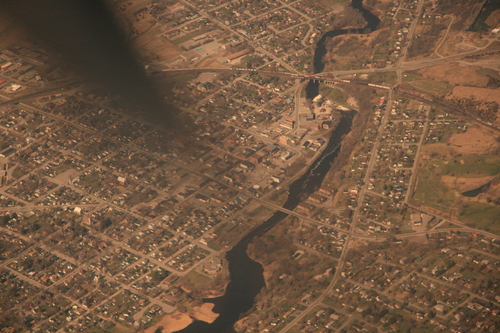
246	275
372	21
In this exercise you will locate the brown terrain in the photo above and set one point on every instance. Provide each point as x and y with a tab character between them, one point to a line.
462	41
481	94
464	184
447	72
475	141
494	19
172	322
178	320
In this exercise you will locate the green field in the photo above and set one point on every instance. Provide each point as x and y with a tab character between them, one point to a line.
181	78
472	167
18	173
329	3
431	191
256	211
489	72
432	86
197	279
481	216
388	78
427	85
190	36
334	95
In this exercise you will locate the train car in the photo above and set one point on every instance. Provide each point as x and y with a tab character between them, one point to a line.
378	86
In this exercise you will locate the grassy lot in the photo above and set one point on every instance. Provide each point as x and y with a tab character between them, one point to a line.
388	78
256	211
181	78
427	85
279	198
190	36
446	116
473	166
333	94
199	280
482	216
90	179
295	329
117	329
214	246
489	72
407	77
18	172
431	191
447	225
439	88
406	228
228	234
329	3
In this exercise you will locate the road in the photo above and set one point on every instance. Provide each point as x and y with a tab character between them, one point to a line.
250	42
373	158
297	105
444	37
325	293
413	177
351	235
399	68
372	161
112	243
63	86
404	66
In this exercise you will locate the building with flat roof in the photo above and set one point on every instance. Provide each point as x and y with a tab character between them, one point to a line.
238	54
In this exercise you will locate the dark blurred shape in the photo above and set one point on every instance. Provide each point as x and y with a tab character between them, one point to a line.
87	36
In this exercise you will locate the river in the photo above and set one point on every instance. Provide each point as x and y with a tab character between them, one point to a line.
246	275
372	21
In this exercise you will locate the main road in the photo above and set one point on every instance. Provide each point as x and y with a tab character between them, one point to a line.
324	76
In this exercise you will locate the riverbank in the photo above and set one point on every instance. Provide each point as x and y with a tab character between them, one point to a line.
247	276
352	142
179	320
171	323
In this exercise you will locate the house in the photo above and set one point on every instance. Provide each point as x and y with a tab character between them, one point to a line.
7	152
317	198
236	55
246	165
416	219
122	180
305	206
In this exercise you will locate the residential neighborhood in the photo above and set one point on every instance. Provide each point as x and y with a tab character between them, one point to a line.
113	223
